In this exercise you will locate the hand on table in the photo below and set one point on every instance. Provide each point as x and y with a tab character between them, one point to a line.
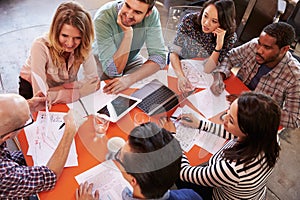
184	84
84	192
89	87
167	124
117	85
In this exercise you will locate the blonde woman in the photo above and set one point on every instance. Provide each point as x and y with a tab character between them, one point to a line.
57	56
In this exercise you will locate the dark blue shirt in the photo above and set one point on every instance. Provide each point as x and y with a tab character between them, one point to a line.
182	194
264	69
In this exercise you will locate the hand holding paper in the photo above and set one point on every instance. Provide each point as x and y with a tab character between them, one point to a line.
37	103
78	118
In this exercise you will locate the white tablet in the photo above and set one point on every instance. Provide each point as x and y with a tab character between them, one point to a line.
119	106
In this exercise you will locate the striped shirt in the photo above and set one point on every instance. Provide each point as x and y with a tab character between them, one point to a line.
282	83
229	179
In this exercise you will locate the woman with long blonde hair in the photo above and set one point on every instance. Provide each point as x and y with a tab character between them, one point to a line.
57	56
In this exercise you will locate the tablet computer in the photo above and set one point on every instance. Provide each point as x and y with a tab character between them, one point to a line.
119	106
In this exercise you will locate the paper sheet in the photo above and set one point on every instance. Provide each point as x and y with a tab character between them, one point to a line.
40	83
43	87
209	104
185	135
160	75
193	70
106	178
210	142
92	102
188	137
42	145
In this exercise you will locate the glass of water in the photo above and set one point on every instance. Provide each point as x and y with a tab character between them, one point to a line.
101	124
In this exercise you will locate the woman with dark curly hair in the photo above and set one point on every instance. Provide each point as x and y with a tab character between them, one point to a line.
241	168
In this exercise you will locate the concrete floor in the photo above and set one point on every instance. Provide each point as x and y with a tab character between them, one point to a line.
23	20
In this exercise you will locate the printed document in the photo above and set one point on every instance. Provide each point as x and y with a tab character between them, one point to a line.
209	104
193	71
107	179
188	137
43	139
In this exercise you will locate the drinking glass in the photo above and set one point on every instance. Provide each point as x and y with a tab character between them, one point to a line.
101	124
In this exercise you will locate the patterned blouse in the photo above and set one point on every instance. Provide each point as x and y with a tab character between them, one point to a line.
192	42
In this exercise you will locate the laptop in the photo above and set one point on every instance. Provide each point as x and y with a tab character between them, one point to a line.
156	98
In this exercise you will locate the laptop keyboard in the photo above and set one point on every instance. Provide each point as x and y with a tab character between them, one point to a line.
155	99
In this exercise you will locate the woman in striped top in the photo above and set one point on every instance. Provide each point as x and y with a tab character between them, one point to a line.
241	168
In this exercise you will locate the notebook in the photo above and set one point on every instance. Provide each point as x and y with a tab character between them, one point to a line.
156	98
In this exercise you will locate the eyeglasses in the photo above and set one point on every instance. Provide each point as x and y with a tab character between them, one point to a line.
117	158
29	122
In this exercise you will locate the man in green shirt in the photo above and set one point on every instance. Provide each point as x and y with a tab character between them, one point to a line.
122	28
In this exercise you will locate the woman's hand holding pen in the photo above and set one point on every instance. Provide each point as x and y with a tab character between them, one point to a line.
189	120
70	123
185	119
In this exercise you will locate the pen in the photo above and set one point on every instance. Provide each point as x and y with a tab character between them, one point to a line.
85	110
61	126
183	118
172	117
187	119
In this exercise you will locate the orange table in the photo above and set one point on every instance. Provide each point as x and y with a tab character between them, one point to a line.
91	152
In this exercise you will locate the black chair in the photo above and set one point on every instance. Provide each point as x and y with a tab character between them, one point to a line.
175	15
294	20
252	16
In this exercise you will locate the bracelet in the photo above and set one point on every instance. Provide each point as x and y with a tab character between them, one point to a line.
217	50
